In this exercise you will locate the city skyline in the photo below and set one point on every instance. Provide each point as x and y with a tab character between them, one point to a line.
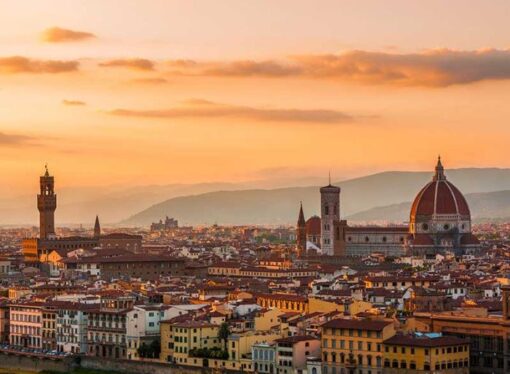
160	94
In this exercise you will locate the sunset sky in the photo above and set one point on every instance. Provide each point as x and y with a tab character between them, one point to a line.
160	91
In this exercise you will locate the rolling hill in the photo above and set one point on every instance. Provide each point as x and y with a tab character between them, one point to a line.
391	192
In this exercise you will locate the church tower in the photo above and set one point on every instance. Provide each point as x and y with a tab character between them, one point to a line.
301	233
47	203
330	213
97	228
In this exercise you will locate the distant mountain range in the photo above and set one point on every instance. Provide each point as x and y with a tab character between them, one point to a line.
77	205
377	197
382	196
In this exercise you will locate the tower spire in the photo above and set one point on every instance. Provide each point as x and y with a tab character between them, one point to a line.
439	170
301	219
329	177
97	228
301	232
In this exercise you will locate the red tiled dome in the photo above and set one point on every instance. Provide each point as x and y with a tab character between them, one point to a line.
313	226
439	197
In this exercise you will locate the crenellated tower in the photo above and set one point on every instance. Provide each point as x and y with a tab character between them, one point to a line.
47	204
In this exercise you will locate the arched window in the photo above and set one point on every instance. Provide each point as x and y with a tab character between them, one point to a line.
314	370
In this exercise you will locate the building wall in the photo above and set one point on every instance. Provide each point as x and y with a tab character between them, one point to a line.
363	243
366	349
26	326
146	270
330	212
399	359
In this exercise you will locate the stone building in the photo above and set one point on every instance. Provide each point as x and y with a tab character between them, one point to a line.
440	221
26	324
354	345
107	327
425	353
146	267
330	213
488	335
129	242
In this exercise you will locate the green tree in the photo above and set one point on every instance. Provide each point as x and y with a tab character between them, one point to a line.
224	333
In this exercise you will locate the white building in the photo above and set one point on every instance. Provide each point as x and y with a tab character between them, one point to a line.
142	327
71	327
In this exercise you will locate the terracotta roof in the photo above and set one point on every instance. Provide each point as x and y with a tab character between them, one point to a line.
313	226
425	341
439	197
284	296
357	324
295	339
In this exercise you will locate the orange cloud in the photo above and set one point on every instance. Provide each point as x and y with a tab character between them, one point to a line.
15	140
134	63
58	35
73	102
19	64
434	68
149	80
207	109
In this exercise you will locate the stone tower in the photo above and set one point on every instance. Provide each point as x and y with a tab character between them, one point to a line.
330	212
47	203
301	232
97	228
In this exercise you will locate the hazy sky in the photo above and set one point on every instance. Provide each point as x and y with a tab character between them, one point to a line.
143	92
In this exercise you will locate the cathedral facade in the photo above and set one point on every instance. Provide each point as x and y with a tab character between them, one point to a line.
440	221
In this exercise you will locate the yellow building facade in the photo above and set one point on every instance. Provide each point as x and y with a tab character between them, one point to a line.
425	353
178	339
354	344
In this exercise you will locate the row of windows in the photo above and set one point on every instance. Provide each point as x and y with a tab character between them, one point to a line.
17	329
353	332
32	341
110	338
438	366
263	354
351	344
384	239
453	349
108	325
25	318
367	360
